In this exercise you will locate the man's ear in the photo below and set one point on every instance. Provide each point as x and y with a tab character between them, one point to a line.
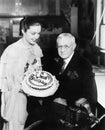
74	46
22	31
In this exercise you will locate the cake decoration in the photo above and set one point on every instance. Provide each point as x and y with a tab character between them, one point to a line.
40	84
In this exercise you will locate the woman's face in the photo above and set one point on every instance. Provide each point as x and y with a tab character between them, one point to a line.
65	48
32	34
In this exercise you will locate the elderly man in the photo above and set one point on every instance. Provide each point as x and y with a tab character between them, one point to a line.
75	76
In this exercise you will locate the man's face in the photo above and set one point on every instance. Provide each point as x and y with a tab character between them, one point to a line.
32	34
65	48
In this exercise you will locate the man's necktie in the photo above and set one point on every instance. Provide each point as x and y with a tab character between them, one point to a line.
63	66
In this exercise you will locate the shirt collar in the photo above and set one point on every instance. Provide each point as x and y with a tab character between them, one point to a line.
26	44
68	59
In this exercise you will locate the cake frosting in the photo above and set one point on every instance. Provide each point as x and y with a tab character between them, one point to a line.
40	84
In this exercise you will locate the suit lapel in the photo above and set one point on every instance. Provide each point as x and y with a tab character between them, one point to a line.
71	64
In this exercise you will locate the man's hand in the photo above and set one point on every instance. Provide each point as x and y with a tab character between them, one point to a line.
60	101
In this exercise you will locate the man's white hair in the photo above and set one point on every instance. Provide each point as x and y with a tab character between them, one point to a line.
66	35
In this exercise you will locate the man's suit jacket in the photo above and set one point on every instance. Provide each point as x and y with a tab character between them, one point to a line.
77	80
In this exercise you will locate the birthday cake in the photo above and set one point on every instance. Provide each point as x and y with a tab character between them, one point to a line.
40	84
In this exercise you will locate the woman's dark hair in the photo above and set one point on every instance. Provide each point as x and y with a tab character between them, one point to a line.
26	22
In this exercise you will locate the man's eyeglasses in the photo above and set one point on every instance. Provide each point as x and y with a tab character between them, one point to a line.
65	47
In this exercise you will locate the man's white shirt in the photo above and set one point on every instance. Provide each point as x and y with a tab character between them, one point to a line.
68	60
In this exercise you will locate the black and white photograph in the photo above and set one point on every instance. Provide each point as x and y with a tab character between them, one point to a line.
52	65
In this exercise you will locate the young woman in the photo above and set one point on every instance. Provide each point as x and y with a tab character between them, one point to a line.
17	60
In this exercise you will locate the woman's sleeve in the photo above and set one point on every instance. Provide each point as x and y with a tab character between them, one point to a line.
8	66
3	77
38	51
